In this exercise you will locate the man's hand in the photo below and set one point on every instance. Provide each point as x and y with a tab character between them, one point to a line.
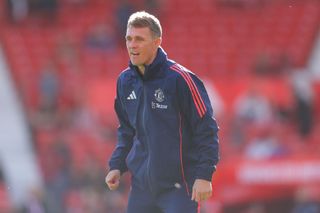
202	190
113	179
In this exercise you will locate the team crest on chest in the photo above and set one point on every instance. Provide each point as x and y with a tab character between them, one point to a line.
159	95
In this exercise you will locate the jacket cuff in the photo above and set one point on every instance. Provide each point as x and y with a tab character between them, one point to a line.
122	170
205	174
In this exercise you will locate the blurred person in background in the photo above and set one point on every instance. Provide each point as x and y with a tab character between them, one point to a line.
66	50
265	145
263	64
253	112
124	9
83	119
253	108
100	37
49	86
36	202
44	10
167	136
18	10
304	100
45	116
59	179
67	57
153	6
304	201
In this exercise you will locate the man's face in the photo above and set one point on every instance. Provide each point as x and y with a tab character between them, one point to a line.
142	46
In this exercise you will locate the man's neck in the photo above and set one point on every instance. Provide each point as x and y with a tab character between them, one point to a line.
141	68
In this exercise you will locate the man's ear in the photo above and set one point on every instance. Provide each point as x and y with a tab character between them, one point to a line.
158	41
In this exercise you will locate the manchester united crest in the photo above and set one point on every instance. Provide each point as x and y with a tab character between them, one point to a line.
159	95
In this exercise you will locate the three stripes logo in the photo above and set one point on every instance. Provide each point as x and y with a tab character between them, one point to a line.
132	96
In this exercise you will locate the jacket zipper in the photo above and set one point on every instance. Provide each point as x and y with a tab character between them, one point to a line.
143	120
146	135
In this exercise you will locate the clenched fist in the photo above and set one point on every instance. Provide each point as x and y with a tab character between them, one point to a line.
113	179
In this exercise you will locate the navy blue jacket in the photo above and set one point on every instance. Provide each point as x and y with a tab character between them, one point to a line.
167	135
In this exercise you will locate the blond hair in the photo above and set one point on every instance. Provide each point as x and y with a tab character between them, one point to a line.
144	19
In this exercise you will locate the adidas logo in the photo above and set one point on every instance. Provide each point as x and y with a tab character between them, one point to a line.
132	96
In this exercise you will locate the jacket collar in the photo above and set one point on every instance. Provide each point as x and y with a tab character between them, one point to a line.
154	67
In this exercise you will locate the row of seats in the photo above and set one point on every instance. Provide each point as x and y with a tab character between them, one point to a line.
219	43
225	34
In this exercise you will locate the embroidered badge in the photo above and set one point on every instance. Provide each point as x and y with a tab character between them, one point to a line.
159	95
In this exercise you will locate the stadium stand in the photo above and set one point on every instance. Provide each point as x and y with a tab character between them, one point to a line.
75	133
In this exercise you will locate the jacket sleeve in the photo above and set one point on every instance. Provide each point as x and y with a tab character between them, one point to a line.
125	135
196	108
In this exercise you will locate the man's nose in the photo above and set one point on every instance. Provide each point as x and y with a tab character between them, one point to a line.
132	44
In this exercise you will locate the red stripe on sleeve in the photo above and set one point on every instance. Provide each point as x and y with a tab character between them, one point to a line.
198	93
193	84
194	90
194	94
181	157
202	105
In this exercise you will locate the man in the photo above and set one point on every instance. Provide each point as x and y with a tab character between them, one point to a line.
167	137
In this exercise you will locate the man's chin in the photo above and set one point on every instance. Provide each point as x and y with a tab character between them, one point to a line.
136	64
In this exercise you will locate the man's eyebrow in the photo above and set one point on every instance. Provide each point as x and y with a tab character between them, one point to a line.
136	37
139	37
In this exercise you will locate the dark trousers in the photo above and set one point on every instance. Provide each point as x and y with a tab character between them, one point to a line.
175	200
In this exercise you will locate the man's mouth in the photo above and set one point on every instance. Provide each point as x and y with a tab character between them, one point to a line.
135	54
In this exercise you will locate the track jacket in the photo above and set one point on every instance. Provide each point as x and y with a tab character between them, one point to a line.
167	136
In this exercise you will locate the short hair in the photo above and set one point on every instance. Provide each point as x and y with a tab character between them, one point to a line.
143	19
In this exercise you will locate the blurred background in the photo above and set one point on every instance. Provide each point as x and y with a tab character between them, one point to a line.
59	60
